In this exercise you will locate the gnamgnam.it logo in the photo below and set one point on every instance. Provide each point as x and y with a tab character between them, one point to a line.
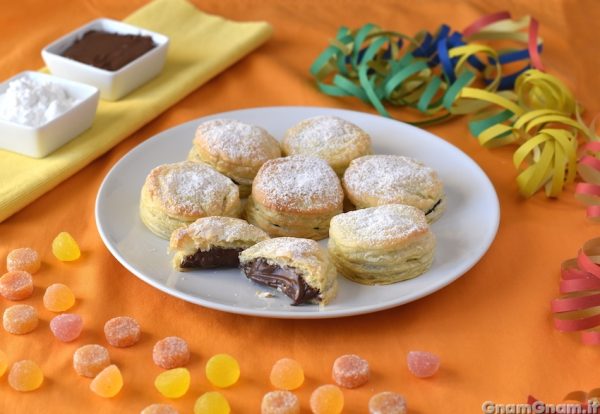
538	407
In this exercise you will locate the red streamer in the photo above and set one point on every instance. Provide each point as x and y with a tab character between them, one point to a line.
578	308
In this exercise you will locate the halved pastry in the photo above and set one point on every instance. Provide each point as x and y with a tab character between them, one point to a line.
297	267
213	242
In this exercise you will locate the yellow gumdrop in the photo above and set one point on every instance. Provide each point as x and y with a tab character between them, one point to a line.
222	370
65	248
25	376
3	362
212	402
173	383
108	382
327	399
287	374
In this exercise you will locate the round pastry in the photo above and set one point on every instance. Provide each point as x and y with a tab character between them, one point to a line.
381	245
213	242
375	180
335	140
177	194
295	196
235	149
297	267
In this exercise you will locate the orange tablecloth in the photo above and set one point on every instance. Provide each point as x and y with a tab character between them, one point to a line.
492	327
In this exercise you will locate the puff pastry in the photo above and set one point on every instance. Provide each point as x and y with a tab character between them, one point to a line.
177	194
295	196
213	242
375	180
381	245
235	149
335	140
297	267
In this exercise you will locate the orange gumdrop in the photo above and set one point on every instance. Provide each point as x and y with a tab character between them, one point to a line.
58	298
287	374
20	319
25	259
350	371
327	399
108	382
16	285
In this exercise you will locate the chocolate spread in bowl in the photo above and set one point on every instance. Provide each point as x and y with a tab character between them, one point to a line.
110	51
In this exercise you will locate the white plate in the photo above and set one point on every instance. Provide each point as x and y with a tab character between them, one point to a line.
464	233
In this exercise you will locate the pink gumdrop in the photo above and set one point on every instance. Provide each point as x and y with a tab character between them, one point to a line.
422	364
66	327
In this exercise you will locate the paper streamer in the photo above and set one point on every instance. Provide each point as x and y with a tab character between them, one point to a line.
588	191
448	73
539	116
578	308
427	71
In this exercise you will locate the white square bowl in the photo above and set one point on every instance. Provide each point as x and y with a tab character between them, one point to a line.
40	141
113	85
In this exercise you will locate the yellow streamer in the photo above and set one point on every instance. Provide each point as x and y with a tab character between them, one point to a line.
545	124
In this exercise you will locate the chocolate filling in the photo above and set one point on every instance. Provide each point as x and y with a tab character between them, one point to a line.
434	207
215	257
110	51
284	279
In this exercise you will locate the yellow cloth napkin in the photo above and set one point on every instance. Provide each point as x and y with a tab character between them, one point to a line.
201	46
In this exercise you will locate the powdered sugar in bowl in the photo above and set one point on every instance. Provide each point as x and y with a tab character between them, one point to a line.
39	112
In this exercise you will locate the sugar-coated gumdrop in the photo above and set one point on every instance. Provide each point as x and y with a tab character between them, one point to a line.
387	403
280	402
25	259
108	382
159	409
350	371
20	319
65	248
287	374
212	402
16	285
171	352
3	362
25	375
222	370
422	364
327	399
58	298
122	331
173	383
66	327
89	360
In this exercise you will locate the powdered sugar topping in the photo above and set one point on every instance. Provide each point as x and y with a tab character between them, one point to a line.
297	249
191	187
225	229
376	225
299	182
237	141
391	178
323	135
